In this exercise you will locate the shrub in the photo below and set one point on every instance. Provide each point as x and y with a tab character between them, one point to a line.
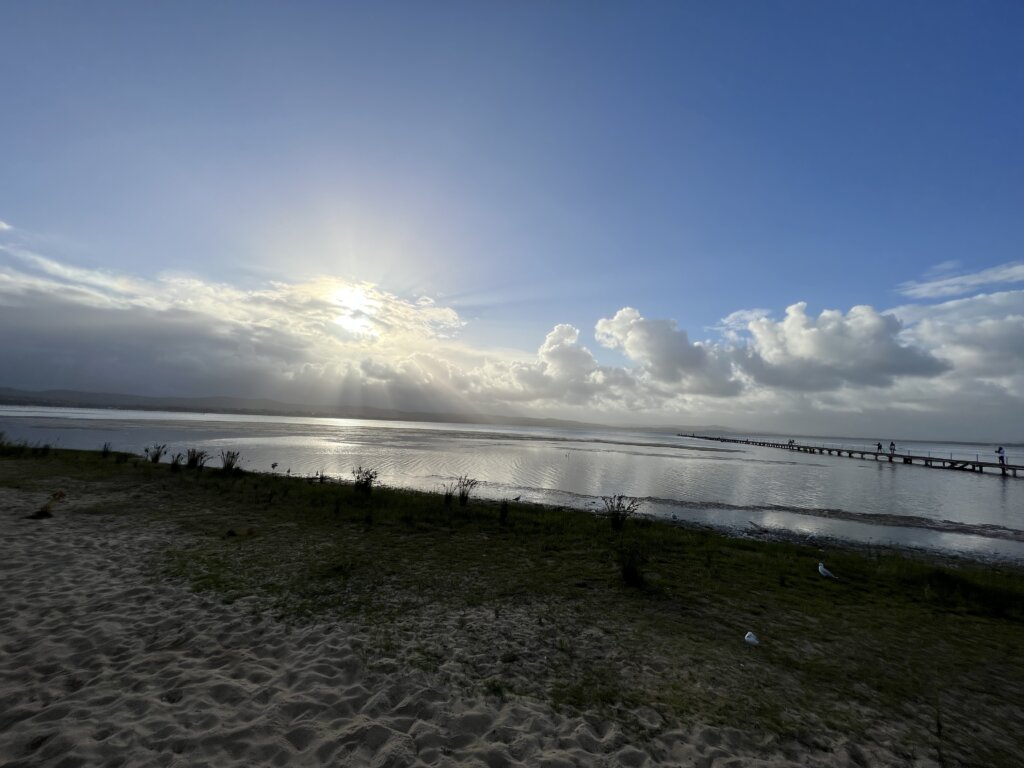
465	486
176	461
364	479
105	451
229	461
155	452
619	509
121	457
196	459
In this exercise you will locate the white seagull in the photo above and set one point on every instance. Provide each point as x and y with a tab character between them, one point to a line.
751	639
826	572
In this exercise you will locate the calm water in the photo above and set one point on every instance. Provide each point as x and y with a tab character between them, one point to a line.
727	485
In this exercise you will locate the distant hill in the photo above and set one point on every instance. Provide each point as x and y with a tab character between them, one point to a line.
69	398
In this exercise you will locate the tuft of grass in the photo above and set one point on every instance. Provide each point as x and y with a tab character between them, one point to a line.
196	459
176	461
105	451
618	509
364	478
464	486
155	452
448	492
229	461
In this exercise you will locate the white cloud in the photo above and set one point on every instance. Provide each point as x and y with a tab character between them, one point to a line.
736	323
859	348
4	226
335	342
959	284
666	354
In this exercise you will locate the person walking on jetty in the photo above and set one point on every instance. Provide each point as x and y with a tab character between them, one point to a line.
1002	456
892	447
878	446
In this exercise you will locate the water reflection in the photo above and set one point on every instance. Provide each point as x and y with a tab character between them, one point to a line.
730	485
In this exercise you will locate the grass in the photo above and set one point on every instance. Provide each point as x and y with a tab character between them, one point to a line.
618	509
921	652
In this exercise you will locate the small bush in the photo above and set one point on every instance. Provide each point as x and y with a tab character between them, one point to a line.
196	459
121	457
229	461
105	451
619	509
155	452
465	487
176	462
364	479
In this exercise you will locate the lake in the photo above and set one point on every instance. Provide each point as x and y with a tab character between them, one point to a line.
738	487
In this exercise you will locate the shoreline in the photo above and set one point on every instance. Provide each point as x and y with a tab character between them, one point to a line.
242	619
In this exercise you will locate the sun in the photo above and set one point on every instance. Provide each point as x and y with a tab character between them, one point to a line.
357	308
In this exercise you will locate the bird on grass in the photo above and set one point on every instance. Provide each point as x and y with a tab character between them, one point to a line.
826	572
751	639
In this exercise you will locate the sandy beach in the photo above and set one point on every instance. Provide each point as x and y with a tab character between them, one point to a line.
103	667
102	662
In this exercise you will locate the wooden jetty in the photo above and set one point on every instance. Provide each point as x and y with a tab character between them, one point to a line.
964	465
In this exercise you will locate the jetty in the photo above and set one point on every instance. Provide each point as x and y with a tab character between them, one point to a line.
952	462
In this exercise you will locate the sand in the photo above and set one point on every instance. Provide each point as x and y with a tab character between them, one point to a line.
103	664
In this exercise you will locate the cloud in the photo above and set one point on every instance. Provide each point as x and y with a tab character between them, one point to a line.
861	348
4	226
959	284
734	324
666	354
332	342
981	337
563	371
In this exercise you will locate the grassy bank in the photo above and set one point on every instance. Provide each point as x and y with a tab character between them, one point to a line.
644	624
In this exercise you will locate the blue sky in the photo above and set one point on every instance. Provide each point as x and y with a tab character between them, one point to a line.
531	165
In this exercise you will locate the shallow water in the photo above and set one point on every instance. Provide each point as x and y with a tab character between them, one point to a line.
721	484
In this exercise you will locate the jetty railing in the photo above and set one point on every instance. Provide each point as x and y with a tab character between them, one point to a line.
962	462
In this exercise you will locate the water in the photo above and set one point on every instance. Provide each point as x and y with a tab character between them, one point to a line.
721	484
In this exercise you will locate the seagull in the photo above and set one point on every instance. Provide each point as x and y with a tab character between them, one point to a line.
826	572
751	639
274	465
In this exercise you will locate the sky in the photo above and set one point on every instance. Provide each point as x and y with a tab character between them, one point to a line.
789	216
